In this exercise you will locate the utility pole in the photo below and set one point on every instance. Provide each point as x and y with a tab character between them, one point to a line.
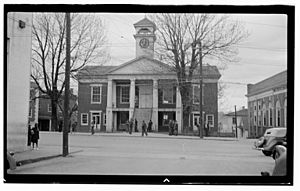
67	87
236	131
200	88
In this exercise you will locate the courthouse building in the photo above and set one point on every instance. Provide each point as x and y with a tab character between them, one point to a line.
143	88
267	104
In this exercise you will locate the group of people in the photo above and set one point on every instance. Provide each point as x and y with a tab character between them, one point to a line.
145	128
33	136
173	127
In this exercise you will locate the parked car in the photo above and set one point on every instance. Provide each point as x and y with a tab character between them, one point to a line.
280	162
271	138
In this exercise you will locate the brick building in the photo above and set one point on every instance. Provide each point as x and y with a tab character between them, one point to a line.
40	110
45	112
267	104
143	88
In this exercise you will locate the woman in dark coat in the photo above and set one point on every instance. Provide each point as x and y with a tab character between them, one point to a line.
35	136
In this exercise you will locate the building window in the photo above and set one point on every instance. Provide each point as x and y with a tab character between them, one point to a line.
264	116
169	94
233	120
96	92
278	118
124	92
285	115
196	94
210	120
49	108
278	114
271	118
84	119
165	119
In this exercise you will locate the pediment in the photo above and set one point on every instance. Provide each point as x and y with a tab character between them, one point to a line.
142	65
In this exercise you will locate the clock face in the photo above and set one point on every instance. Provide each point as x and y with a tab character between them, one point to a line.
144	43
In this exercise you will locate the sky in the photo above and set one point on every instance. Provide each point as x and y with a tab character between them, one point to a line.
262	55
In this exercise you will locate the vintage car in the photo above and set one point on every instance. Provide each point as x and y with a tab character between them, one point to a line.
271	138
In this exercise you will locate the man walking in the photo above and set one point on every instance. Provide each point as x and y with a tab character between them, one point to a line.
144	128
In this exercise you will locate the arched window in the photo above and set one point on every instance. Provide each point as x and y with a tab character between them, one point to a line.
285	110
264	115
278	122
270	115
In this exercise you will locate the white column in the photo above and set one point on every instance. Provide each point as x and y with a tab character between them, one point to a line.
178	110
132	98
109	117
109	94
114	94
155	105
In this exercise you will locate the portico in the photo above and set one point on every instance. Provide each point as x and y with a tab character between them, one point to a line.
143	101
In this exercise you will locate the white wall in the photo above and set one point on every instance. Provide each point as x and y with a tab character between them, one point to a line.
18	79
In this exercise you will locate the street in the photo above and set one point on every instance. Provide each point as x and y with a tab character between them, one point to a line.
152	155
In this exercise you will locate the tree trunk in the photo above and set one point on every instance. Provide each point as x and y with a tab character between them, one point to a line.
185	91
54	121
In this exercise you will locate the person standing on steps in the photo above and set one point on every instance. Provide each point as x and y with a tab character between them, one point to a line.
144	128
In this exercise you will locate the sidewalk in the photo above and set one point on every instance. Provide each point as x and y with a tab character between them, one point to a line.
155	135
46	152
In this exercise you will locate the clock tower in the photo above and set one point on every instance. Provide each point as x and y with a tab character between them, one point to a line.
144	38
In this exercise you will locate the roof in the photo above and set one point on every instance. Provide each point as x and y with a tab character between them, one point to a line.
209	71
278	80
100	71
242	112
144	23
94	71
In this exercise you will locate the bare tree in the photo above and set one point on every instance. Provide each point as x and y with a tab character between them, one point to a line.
48	51
185	40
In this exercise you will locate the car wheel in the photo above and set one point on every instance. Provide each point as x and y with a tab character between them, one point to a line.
267	153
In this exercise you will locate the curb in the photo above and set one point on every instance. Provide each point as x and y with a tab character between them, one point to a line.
29	161
159	137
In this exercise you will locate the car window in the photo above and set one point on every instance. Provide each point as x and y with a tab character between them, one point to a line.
275	132
280	133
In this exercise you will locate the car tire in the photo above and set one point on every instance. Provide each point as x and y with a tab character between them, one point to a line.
267	153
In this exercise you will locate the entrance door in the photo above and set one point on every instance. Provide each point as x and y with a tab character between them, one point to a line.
95	116
122	117
196	118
